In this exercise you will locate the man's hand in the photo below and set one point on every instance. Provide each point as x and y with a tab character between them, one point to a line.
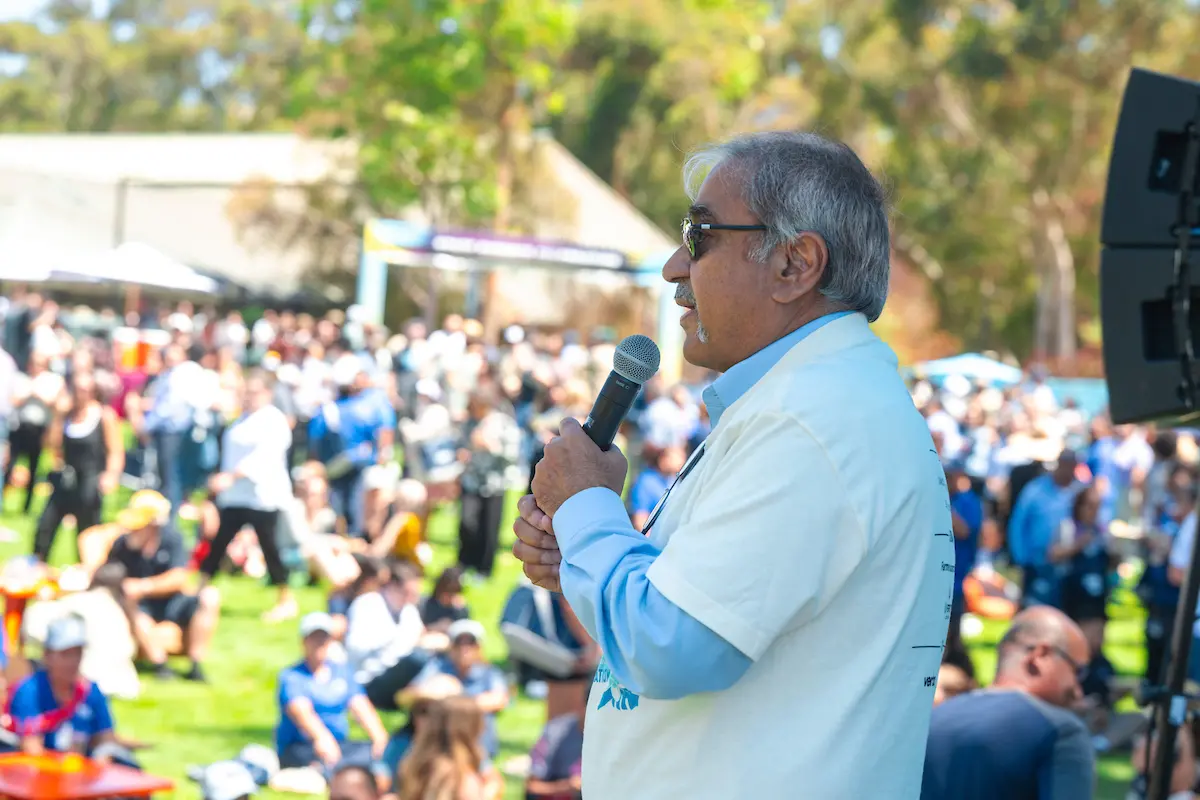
133	588
573	463
108	483
378	747
326	749
220	482
536	546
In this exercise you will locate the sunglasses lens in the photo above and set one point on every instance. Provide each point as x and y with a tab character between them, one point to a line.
690	234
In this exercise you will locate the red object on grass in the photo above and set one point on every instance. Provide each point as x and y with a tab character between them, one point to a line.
65	776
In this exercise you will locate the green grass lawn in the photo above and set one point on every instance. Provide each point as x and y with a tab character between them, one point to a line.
196	724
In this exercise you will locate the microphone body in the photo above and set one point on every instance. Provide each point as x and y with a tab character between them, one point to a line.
611	406
635	361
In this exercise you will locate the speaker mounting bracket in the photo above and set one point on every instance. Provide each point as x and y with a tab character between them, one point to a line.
1186	223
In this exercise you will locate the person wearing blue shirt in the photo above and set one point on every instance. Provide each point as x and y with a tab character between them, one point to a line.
1019	738
480	681
1082	552
653	482
966	516
316	697
56	708
1101	461
351	434
1034	526
699	660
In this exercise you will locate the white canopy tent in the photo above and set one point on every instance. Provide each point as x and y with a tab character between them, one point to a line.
133	264
143	265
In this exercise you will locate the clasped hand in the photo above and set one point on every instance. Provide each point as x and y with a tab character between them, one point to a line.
572	464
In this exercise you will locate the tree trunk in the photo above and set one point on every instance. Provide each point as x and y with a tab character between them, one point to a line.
502	222
1055	336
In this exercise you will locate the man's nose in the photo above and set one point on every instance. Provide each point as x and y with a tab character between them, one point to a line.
676	268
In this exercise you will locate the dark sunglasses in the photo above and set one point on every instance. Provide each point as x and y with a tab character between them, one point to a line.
693	232
1079	669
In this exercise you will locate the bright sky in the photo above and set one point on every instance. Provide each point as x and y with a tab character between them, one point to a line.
24	9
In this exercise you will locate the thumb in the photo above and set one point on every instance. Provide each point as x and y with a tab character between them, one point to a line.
616	458
571	428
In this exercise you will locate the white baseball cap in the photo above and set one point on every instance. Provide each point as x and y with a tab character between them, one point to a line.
465	627
316	622
227	780
346	369
65	633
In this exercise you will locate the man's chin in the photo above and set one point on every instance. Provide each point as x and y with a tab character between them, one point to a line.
695	352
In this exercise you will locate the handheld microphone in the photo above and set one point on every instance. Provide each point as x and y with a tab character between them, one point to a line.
634	363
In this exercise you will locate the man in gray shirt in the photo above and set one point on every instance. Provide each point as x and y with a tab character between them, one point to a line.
1018	739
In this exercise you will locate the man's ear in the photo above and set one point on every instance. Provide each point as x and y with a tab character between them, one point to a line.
805	260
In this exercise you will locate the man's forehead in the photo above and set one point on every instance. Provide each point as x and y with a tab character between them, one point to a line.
719	196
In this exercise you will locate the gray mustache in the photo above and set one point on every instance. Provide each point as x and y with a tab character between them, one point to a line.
683	293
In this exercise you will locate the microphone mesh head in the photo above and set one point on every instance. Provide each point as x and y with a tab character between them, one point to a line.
636	358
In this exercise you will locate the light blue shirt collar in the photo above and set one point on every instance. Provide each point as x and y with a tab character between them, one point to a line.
737	380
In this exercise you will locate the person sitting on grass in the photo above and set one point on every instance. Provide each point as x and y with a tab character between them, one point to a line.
167	619
57	709
556	760
446	759
353	782
446	604
371	573
481	681
403	537
316	697
386	641
1020	737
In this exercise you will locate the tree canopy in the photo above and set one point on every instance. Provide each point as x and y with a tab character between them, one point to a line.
991	121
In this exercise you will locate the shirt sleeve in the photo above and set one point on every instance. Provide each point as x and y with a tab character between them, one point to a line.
24	706
387	414
116	555
356	688
369	626
173	543
292	687
317	426
1185	540
653	647
539	757
1069	773
968	506
102	721
1018	543
769	544
495	681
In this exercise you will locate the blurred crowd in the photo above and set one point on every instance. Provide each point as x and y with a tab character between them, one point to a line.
314	449
297	447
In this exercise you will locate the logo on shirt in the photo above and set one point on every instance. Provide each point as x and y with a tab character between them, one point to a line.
615	695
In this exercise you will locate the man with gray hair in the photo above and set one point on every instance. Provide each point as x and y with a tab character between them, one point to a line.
779	621
1020	737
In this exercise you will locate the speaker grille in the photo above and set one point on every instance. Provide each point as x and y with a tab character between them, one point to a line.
636	358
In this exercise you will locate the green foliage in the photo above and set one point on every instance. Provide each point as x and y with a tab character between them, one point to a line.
427	89
991	121
192	65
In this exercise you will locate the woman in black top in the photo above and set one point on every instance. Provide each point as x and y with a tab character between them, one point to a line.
85	443
33	408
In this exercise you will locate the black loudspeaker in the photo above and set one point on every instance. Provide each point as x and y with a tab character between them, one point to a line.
1151	221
